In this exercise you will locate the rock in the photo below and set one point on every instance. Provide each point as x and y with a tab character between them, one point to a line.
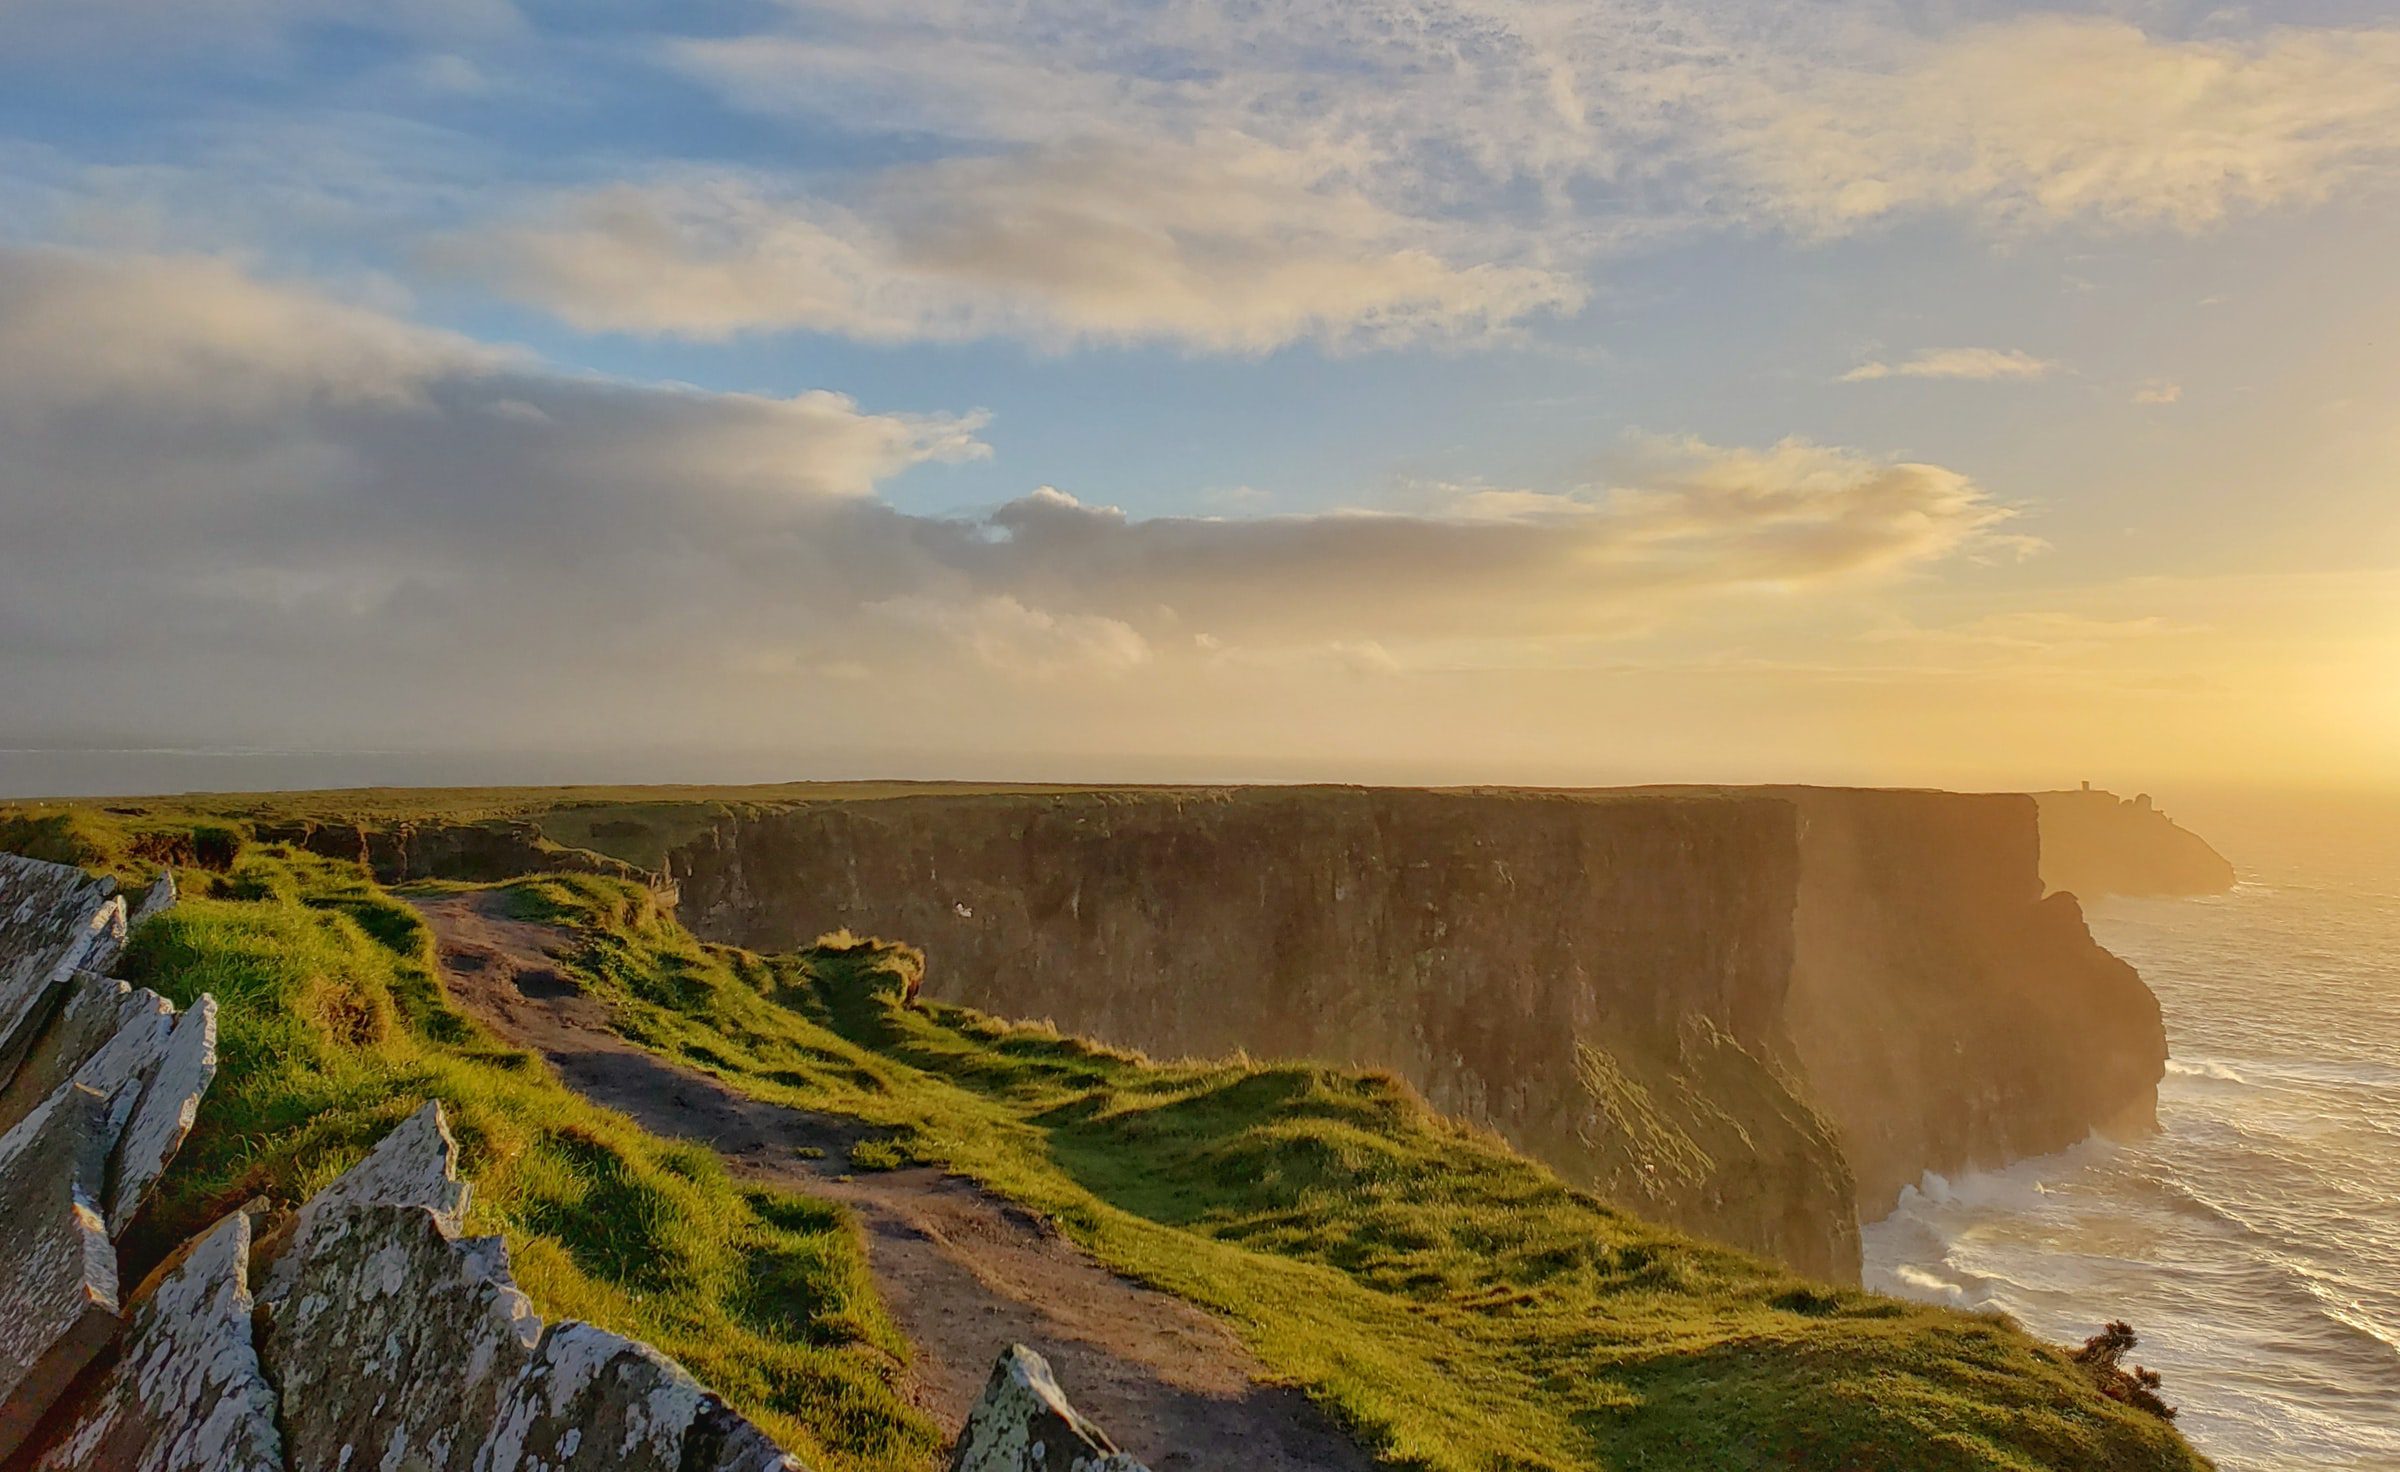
596	1400
1024	1424
159	897
187	1394
415	1165
131	1054
401	1346
170	1102
56	1258
393	1343
54	919
94	1008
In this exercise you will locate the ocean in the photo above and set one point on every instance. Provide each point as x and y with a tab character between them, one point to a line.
2254	1242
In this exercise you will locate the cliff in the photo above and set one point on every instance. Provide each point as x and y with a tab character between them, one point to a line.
2096	843
1752	1013
1945	1013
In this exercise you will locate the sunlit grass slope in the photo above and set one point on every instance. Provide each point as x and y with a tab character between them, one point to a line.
1455	1303
332	1029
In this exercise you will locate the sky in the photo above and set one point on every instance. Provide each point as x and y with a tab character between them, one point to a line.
1965	393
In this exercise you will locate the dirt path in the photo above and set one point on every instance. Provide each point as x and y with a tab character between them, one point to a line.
964	1273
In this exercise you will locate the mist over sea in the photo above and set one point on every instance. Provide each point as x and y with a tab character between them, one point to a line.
2254	1243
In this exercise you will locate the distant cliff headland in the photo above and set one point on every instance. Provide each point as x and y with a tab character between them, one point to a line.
2096	843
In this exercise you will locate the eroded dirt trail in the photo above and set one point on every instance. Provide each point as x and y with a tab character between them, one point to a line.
963	1272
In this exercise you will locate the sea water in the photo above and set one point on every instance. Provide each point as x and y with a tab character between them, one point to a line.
2254	1242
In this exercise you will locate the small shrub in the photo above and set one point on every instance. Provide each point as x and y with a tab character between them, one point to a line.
2137	1387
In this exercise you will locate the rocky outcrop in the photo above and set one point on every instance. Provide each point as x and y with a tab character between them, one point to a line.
2096	843
170	1103
1024	1424
60	1267
95	1095
54	921
187	1394
391	1336
1665	993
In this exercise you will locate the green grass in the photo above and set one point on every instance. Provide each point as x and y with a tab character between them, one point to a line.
1454	1303
332	1029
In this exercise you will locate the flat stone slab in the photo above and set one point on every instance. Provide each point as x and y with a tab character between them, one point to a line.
170	1102
54	919
599	1401
187	1394
1024	1424
415	1165
394	1343
95	1006
55	1257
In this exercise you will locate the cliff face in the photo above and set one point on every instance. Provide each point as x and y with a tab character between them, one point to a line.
1599	980
2095	843
1749	1013
1945	1013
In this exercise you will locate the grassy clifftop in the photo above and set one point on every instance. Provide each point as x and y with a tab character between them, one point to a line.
1454	1304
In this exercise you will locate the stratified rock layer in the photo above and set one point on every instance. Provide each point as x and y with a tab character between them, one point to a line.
1024	1424
54	920
55	1257
187	1393
170	1103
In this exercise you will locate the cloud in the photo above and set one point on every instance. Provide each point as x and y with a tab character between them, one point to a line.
1981	364
279	516
2047	118
2158	391
1373	172
1230	247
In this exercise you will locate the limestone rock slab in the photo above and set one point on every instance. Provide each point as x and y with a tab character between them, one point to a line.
415	1165
394	1344
95	1006
169	1104
188	1393
1024	1424
55	1258
54	918
599	1401
157	899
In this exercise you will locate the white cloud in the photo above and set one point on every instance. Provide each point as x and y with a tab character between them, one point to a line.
1374	171
2046	118
1232	246
2158	391
277	514
1980	364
